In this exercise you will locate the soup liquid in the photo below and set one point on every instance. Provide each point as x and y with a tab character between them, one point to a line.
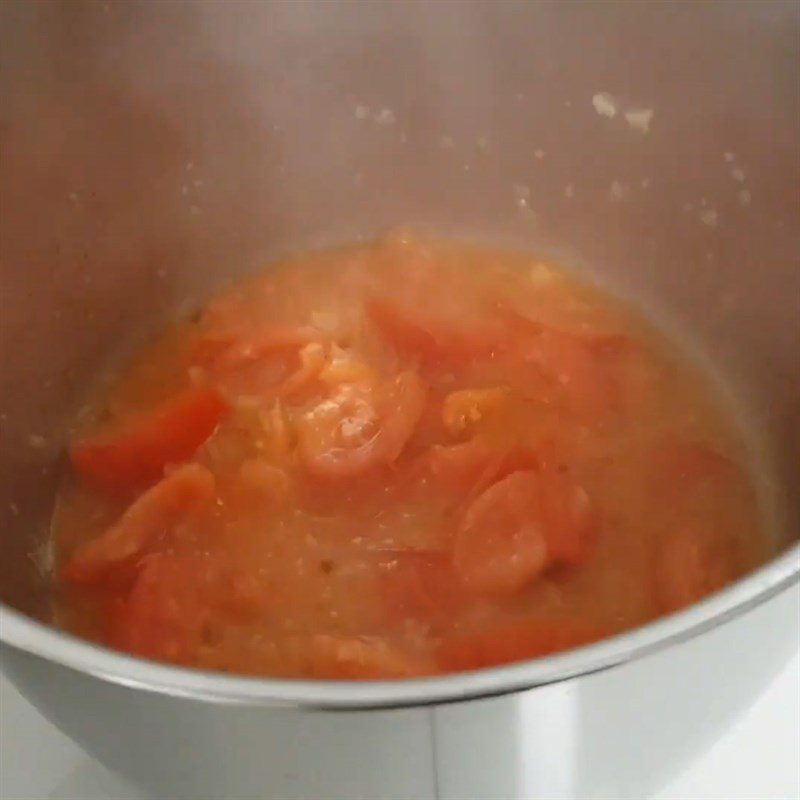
397	459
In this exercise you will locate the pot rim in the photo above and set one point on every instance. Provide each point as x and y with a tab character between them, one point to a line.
34	637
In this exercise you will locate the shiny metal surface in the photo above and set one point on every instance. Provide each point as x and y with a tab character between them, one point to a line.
151	151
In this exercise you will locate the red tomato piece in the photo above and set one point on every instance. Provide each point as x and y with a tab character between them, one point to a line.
149	518
501	545
519	526
168	608
474	465
362	658
567	517
312	360
420	585
136	455
433	340
360	427
517	640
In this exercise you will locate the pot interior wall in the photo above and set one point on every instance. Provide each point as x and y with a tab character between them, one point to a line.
151	151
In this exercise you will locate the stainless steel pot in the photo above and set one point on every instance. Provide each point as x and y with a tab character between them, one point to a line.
151	151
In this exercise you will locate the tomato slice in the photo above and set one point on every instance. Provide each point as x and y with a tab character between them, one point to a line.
568	519
168	608
136	455
432	340
361	426
518	527
312	360
501	545
517	640
362	658
474	465
150	517
420	585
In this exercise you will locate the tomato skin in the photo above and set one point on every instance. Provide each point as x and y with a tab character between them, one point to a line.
474	465
515	640
568	518
148	519
164	615
361	427
135	456
518	527
433	340
500	545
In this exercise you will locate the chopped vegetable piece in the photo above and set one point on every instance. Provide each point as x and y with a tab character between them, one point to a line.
433	340
501	545
475	464
151	517
135	455
169	608
312	360
567	517
361	426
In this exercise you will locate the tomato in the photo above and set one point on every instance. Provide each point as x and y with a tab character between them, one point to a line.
166	611
360	427
460	468
420	585
501	545
135	455
514	640
519	526
362	658
312	360
430	339
567	517
151	517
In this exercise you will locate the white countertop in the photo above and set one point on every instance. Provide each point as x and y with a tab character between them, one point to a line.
758	758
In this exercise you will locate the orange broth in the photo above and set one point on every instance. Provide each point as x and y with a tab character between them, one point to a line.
397	459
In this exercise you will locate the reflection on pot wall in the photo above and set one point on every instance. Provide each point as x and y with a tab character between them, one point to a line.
616	735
